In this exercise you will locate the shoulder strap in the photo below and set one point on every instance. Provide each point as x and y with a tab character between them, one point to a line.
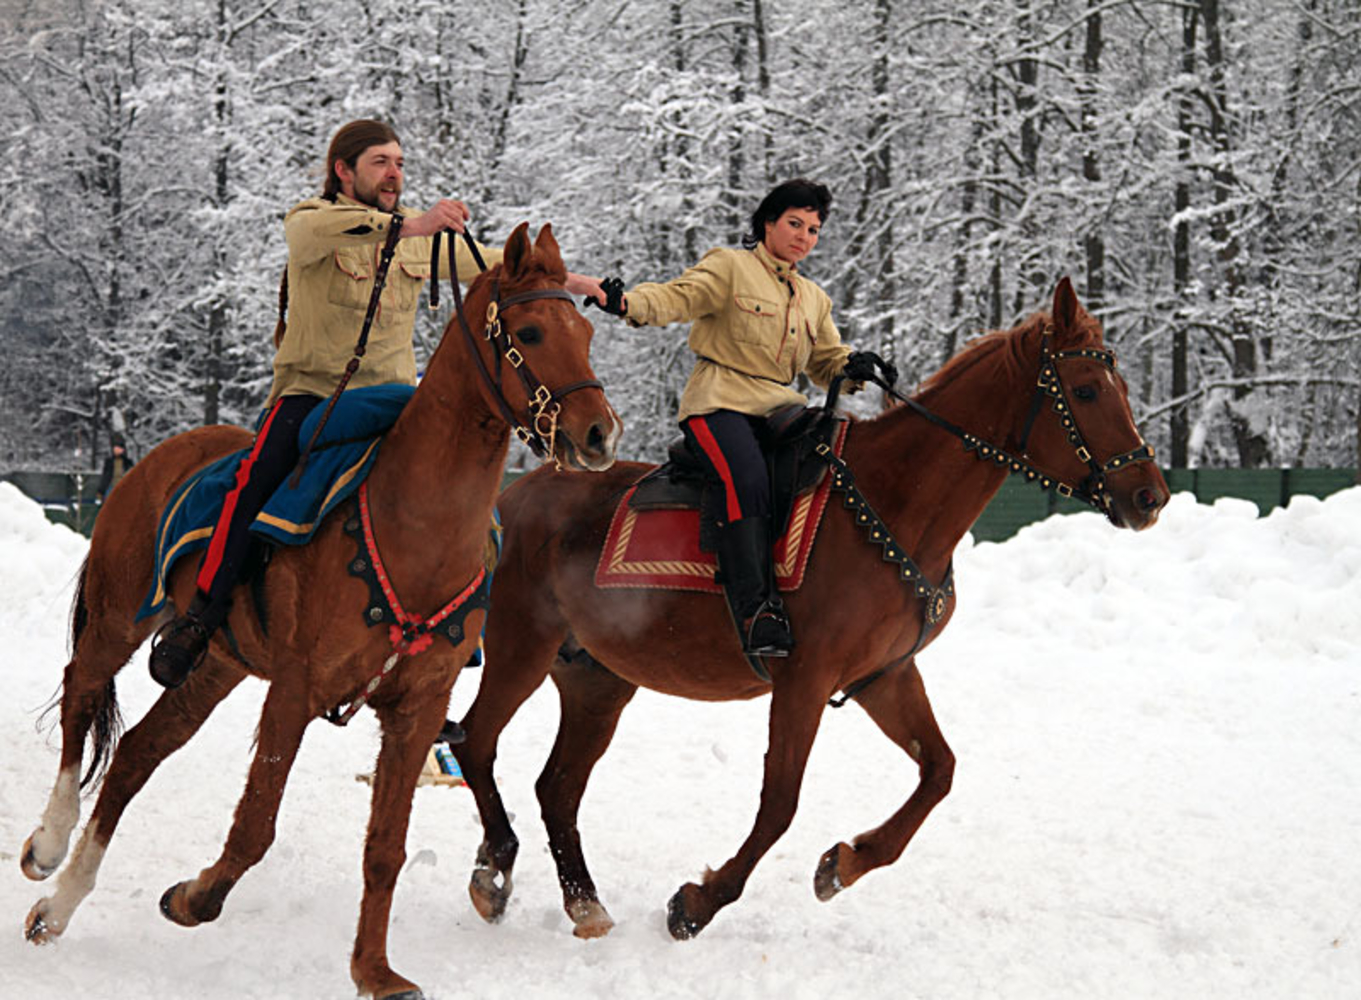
281	327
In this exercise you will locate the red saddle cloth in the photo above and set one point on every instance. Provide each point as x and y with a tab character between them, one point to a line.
659	549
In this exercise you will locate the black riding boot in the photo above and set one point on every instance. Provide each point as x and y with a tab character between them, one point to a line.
748	577
180	645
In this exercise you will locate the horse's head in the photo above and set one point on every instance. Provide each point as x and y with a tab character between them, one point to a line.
534	356
1086	436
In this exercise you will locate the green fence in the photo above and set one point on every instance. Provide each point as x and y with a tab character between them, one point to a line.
1019	503
68	498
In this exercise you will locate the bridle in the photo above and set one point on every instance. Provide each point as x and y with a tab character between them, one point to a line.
1092	490
540	433
410	634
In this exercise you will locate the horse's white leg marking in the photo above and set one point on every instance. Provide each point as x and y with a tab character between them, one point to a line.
47	845
73	885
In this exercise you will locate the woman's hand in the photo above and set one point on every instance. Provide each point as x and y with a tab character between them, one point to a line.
862	366
607	293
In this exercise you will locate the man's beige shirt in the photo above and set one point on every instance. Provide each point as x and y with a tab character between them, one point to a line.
333	252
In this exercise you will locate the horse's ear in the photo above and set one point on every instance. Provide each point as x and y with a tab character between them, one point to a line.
1065	307
546	243
517	249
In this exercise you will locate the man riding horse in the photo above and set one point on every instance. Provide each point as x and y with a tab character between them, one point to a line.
334	245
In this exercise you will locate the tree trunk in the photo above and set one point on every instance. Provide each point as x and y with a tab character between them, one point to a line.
1181	247
968	201
217	315
1094	243
763	88
1253	449
736	140
880	177
1031	278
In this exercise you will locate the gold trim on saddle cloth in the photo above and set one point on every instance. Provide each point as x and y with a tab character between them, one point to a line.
666	556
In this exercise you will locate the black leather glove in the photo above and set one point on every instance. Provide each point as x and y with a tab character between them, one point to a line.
614	297
862	366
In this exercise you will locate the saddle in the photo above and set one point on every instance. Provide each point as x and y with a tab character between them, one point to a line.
789	439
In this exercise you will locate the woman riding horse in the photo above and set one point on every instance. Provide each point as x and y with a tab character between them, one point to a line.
756	324
334	242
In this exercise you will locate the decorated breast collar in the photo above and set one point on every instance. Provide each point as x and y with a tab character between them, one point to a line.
408	633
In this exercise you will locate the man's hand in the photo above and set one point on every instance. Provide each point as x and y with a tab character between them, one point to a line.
444	214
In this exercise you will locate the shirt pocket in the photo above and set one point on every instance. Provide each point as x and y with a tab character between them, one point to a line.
407	277
351	280
756	321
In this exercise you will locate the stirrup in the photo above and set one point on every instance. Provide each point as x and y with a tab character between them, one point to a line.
778	644
178	649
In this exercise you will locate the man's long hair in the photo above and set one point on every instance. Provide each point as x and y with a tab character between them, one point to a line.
349	144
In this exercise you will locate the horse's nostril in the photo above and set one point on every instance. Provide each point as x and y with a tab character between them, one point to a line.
1148	499
595	438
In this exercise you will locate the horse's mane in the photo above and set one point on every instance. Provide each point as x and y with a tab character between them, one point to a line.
1001	349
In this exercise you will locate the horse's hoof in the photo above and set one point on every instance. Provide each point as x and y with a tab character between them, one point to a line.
28	863
489	899
411	994
827	879
171	912
589	919
680	923
35	927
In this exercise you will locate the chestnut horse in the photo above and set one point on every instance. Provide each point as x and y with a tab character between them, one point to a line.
854	621
431	494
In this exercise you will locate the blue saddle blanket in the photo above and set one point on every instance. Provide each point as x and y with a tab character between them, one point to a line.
337	464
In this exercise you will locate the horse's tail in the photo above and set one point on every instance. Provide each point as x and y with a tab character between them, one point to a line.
106	723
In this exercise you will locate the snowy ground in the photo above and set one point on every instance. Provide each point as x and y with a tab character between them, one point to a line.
1158	794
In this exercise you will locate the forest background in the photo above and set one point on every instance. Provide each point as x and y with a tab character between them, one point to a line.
1194	165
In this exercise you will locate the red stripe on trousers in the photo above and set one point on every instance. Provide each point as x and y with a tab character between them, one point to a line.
709	443
212	562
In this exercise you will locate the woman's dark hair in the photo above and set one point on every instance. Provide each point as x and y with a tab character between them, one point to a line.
349	144
797	193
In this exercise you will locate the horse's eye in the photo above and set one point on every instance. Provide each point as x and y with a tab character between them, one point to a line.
1085	393
529	335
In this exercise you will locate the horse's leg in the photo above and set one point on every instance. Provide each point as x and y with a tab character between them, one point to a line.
407	738
520	655
88	699
592	700
897	702
169	724
795	710
282	722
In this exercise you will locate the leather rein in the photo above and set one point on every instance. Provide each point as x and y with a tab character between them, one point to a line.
540	435
1092	490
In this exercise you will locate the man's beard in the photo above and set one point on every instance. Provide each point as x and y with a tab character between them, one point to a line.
370	196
